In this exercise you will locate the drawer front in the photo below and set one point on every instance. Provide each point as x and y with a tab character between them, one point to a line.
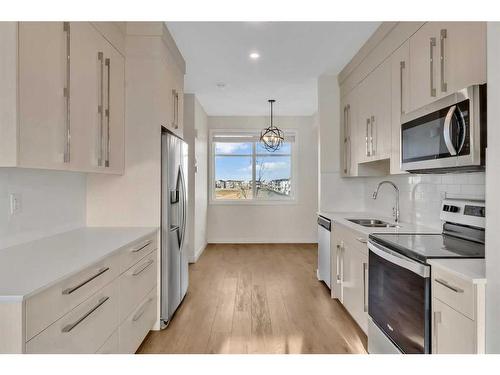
454	291
84	329
111	345
46	307
136	251
136	283
136	326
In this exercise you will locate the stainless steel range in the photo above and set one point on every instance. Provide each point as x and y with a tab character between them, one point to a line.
399	291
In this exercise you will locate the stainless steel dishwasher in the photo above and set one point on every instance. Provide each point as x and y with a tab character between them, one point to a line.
324	266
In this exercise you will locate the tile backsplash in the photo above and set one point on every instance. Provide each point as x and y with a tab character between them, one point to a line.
421	195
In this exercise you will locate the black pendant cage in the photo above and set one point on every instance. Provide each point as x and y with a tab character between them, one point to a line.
272	138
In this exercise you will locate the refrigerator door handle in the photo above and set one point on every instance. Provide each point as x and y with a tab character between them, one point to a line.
182	188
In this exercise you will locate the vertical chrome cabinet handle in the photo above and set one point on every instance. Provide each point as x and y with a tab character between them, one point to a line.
107	112
345	139
437	320
372	147
447	131
100	108
67	130
444	35
365	303
402	67
432	44
69	327
174	114
337	270
348	166
367	147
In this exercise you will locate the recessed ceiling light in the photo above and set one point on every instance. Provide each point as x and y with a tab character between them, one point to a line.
220	85
254	55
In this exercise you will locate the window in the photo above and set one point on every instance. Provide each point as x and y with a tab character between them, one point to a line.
244	171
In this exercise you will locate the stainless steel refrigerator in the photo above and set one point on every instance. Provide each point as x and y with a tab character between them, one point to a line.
174	261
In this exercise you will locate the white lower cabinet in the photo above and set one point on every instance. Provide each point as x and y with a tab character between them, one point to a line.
101	309
351	269
84	329
111	345
136	326
458	313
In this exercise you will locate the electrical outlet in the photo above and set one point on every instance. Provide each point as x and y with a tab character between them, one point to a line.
15	203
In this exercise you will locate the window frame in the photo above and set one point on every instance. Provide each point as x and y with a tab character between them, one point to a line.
293	199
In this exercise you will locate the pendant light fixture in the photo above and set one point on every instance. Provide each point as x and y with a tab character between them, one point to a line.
272	138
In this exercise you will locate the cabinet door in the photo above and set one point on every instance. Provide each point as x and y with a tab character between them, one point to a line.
400	66
87	92
380	126
114	111
424	63
453	333
462	46
43	141
354	286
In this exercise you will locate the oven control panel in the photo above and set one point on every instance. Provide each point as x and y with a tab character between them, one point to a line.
466	212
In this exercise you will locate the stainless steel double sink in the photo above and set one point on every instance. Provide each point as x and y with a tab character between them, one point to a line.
373	223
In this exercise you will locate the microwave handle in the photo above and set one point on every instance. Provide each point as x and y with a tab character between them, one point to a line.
447	131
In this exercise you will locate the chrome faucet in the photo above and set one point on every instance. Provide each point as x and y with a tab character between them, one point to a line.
395	210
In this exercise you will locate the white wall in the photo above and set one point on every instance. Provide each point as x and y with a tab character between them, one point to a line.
51	202
271	223
492	193
196	135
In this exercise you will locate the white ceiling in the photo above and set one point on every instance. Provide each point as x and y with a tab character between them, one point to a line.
292	56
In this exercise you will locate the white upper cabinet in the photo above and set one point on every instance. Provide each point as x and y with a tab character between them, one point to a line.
70	104
400	94
374	115
446	57
43	76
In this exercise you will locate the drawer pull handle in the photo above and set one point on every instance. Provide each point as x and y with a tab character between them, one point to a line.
69	327
75	288
446	285
143	267
137	249
142	310
361	239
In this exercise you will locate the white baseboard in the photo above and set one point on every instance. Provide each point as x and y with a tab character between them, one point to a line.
197	253
262	240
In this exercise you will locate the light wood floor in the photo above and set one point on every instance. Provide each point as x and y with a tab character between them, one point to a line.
257	299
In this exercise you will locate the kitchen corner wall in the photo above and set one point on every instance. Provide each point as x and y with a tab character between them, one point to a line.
51	202
275	223
196	135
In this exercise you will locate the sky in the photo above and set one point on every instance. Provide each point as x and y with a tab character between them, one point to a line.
240	167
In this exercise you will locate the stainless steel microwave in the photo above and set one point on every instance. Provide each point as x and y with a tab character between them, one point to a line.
448	135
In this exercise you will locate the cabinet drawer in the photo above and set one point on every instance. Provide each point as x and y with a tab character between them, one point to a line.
454	291
84	329
111	345
136	282
136	251
44	308
137	325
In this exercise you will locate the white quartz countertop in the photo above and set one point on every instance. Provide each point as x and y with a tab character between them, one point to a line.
341	218
472	270
33	266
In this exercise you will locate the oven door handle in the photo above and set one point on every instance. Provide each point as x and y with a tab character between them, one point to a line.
447	131
400	260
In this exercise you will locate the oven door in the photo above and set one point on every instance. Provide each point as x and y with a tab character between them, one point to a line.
399	298
444	134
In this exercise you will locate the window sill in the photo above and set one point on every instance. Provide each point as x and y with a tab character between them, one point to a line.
253	202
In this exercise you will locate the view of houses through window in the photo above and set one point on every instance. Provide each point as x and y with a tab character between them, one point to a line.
246	170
